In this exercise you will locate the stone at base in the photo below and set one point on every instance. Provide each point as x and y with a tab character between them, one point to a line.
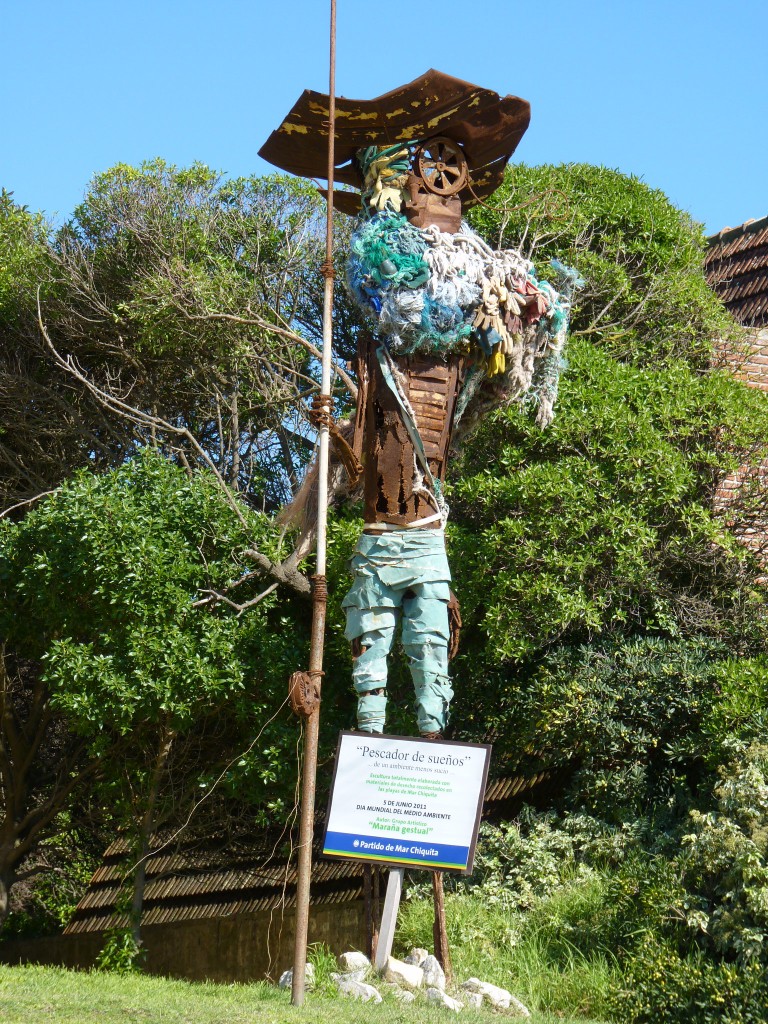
405	975
353	961
434	975
361	975
417	956
497	997
403	995
519	1009
286	978
473	999
356	989
434	995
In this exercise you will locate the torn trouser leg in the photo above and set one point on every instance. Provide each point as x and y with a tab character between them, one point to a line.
425	639
405	570
373	629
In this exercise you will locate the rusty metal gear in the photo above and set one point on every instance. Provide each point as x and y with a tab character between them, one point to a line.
303	694
442	166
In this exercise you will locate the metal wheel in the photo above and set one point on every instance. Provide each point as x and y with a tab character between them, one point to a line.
442	166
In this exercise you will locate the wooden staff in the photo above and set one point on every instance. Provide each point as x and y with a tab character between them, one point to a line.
439	931
319	591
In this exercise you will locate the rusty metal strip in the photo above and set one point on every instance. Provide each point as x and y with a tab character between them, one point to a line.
486	125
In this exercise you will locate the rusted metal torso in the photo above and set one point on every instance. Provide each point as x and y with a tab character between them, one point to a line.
431	386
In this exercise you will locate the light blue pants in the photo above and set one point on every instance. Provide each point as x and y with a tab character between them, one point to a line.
401	575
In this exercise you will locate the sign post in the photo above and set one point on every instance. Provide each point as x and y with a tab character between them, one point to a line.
389	917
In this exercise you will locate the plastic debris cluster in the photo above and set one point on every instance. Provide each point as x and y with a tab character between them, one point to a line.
427	291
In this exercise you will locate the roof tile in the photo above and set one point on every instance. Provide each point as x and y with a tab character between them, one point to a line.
736	266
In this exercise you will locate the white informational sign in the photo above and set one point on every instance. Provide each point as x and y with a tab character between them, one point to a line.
406	801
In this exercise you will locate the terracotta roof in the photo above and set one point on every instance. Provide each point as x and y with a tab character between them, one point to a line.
737	268
217	879
250	872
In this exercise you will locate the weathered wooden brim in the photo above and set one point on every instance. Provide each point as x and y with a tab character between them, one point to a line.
487	126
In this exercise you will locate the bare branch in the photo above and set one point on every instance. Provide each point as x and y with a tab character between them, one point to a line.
254	320
29	501
284	572
289	576
215	597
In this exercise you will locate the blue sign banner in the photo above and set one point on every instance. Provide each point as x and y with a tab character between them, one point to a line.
396	850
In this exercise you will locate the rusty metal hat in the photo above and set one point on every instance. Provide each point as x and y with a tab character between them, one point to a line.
487	126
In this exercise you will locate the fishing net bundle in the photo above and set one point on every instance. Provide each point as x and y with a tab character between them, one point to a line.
430	292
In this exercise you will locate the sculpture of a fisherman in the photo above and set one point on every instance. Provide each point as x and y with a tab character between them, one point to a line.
456	328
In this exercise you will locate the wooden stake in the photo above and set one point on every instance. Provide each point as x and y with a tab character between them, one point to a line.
389	917
439	931
309	767
368	899
376	910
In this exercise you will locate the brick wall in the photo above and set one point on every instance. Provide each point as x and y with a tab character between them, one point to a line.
242	948
749	364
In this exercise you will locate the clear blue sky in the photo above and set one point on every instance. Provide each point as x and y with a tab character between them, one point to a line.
675	92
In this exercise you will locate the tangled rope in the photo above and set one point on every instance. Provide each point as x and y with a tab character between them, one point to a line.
428	291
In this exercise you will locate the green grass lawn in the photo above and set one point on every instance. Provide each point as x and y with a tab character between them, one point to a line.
47	995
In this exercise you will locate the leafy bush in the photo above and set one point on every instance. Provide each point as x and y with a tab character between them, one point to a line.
660	985
520	862
602	525
116	671
121	953
645	297
741	708
621	722
724	859
658	924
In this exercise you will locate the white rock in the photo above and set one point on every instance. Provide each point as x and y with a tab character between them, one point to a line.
474	999
403	995
405	975
517	1008
437	996
354	962
286	978
360	975
356	989
497	997
417	956
434	975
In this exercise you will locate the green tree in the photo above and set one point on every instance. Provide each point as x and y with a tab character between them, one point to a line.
645	296
118	668
175	310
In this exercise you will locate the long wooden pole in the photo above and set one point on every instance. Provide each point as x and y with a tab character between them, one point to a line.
312	728
439	930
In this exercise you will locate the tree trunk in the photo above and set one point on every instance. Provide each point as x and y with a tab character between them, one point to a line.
235	442
5	889
145	832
